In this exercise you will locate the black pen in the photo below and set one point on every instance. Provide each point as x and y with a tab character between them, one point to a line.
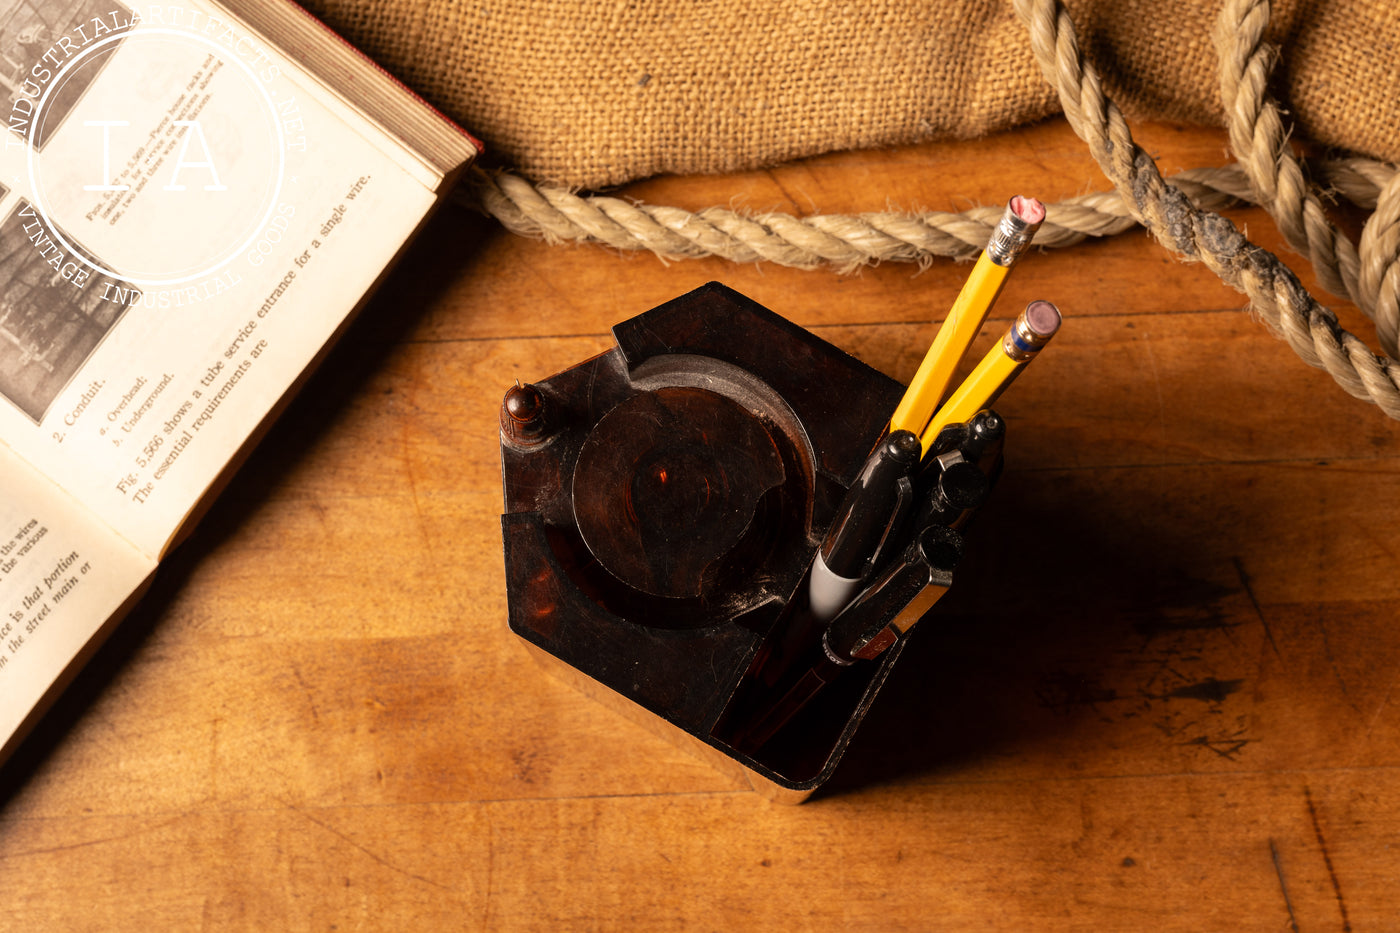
958	487
986	433
861	532
959	470
896	599
877	618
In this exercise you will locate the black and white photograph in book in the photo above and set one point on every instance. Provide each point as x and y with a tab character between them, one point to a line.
37	39
53	313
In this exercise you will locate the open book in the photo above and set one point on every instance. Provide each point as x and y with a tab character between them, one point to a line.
194	200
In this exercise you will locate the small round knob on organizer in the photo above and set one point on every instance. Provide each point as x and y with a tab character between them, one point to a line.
523	415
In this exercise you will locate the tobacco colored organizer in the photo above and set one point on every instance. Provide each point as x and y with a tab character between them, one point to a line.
663	502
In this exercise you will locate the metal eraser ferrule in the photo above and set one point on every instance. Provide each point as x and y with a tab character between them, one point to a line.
1013	234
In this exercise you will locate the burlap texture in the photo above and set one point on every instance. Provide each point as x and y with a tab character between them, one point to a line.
598	92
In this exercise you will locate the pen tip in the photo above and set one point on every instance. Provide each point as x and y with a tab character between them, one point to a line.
1043	318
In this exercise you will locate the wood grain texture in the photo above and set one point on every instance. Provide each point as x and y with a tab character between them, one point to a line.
1161	695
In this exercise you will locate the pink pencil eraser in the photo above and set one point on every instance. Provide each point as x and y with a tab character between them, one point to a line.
1028	209
1043	318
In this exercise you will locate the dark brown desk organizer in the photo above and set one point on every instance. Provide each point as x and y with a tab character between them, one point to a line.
663	502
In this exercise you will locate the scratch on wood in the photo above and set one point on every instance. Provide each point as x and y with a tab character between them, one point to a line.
1253	601
490	904
1227	747
413	487
1283	886
792	198
1156	383
1210	690
373	855
306	692
143	830
1331	658
1385	701
1327	859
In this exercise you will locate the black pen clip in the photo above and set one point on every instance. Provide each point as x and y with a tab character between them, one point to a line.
891	540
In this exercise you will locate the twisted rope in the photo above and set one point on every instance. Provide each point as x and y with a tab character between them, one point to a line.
846	241
1196	234
1380	266
1179	211
1259	141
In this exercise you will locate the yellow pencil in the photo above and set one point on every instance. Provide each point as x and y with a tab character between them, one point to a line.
1031	331
1010	239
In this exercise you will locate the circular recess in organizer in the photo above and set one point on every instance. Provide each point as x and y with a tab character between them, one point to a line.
669	486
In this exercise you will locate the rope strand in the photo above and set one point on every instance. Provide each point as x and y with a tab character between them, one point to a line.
557	215
846	241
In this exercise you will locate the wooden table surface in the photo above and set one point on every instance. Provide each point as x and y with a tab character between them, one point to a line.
1161	695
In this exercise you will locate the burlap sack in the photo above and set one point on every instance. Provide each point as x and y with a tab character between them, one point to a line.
598	92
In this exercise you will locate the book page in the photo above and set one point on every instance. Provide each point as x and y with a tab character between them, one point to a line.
182	226
61	580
